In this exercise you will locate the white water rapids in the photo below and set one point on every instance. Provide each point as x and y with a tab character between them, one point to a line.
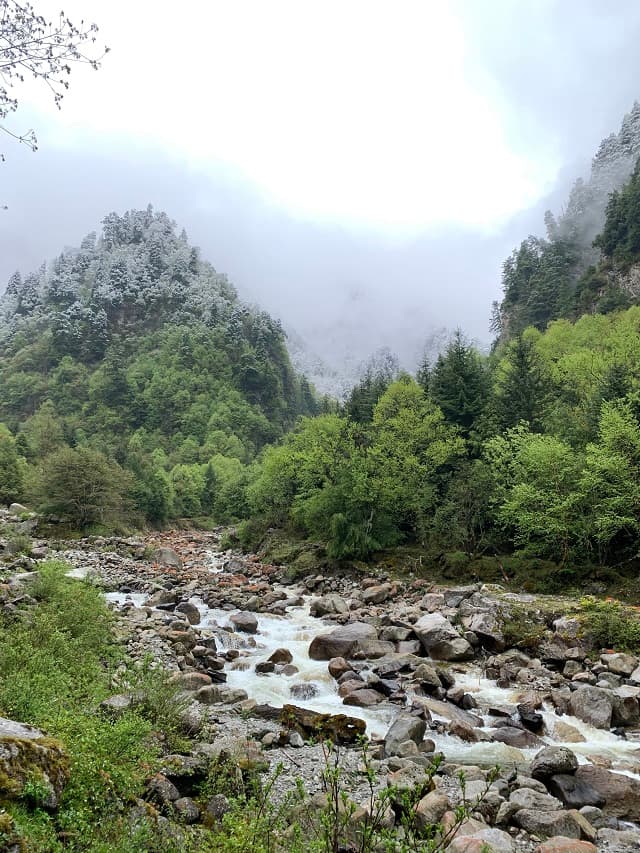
296	630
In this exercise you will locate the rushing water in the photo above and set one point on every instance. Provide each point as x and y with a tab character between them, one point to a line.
296	630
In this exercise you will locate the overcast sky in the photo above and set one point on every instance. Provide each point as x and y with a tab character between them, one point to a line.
360	168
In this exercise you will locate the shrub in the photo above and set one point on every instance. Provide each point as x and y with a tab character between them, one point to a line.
611	625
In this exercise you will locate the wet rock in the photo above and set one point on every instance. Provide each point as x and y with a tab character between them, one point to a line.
440	639
216	694
574	792
167	557
553	760
345	641
467	733
395	633
626	710
304	690
188	609
281	656
349	686
339	728
566	733
405	727
244	621
516	737
592	705
338	667
365	698
328	605
428	678
264	667
162	598
621	794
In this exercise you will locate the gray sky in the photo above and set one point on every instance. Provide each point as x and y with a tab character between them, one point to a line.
360	169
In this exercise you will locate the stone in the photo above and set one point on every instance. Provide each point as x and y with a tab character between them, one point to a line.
467	733
117	705
593	705
553	760
405	727
573	791
217	807
186	810
217	694
338	728
264	667
162	790
344	641
560	844
190	680
432	601
619	663
27	753
621	794
328	605
305	690
440	639
548	823
338	666
567	733
364	698
281	656
519	738
527	798
428	678
378	594
431	809
482	841
167	557
17	509
244	621
487	628
626	710
188	609
162	597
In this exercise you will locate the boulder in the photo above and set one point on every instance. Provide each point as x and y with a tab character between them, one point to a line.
620	793
167	557
553	760
527	798
593	705
484	840
344	641
328	605
405	727
27	754
338	728
217	694
364	698
427	677
520	738
189	609
186	810
620	663
574	792
244	621
560	844
487	628
378	594
162	790
115	706
338	667
431	808
281	656
190	680
626	710
440	639
548	823
162	598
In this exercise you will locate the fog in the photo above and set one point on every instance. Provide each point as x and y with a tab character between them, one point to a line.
560	75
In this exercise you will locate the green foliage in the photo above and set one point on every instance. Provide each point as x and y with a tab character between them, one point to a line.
611	625
458	384
620	237
83	487
11	469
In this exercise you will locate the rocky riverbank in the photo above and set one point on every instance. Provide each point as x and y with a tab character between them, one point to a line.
430	673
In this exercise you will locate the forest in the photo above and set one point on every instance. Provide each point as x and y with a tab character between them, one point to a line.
139	389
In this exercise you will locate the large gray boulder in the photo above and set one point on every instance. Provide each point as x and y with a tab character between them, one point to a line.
244	621
621	794
404	728
593	705
167	557
328	605
344	641
440	639
552	760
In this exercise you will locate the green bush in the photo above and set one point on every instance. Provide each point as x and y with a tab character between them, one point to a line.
611	625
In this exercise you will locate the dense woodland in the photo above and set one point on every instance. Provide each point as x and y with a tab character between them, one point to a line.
137	388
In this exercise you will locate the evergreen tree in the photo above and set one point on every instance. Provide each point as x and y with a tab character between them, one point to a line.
458	383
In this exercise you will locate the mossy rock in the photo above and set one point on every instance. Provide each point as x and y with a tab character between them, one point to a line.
32	765
338	728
